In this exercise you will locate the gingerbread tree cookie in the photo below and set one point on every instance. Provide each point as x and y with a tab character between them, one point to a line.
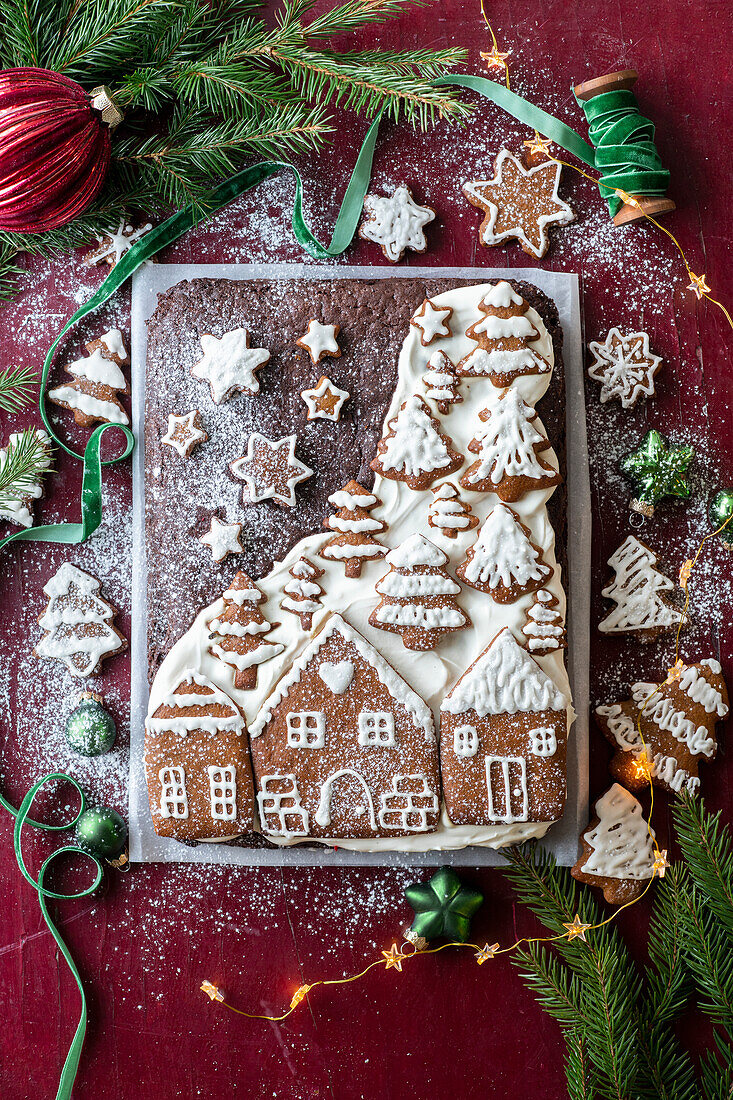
662	732
414	450
441	381
618	848
504	335
97	379
503	561
448	513
624	366
237	632
303	591
508	450
431	320
418	596
354	541
78	623
519	203
396	223
636	590
544	629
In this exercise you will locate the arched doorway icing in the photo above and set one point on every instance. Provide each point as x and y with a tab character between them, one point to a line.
323	813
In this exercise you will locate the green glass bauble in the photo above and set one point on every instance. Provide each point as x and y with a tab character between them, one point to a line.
90	729
720	510
101	831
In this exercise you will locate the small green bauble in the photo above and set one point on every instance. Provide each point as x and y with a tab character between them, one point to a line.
721	510
90	729
101	831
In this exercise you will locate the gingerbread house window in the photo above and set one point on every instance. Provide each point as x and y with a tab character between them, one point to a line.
408	804
173	799
542	741
281	809
306	729
376	727
223	793
465	741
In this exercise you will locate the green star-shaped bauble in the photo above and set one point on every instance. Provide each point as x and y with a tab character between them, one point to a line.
656	469
721	512
443	907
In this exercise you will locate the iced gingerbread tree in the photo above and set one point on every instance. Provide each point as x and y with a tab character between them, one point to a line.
508	447
448	513
503	335
636	590
418	596
354	541
441	382
503	561
303	591
237	633
96	382
78	622
544	629
414	450
618	847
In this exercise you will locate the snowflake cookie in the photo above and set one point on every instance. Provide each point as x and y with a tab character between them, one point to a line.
222	539
184	432
325	400
270	470
113	245
519	203
618	848
229	364
320	341
78	623
431	321
396	223
624	366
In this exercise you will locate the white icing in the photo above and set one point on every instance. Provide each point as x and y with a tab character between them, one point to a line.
311	398
173	797
232	722
544	628
407	805
418	616
222	539
502	295
417	584
337	676
320	340
259	482
635	591
503	361
323	813
667	770
447	511
661	711
506	784
440	379
497	328
306	729
415	551
508	442
183	434
622	842
502	553
432	320
229	364
114	343
113	245
621	727
504	680
343	499
223	792
413	446
98	368
75	604
465	741
284	805
543	741
376	727
702	692
396	223
89	405
15	509
624	366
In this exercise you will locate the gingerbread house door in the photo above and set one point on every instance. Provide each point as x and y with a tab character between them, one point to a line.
506	786
354	798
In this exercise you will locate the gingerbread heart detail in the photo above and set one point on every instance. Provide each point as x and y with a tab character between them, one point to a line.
337	677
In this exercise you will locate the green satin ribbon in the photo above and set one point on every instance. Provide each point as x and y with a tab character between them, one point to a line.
71	1064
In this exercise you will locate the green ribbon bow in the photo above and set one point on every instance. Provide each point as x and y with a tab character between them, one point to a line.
443	906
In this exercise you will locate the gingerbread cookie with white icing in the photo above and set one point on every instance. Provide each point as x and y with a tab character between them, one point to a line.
637	590
504	335
396	223
78	623
414	449
503	561
97	380
618	848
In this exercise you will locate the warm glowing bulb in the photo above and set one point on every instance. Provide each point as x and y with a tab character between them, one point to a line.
675	671
212	991
661	863
698	285
494	59
486	952
299	995
576	928
393	958
686	573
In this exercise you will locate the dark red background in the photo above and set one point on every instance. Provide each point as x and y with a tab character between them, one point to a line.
445	1026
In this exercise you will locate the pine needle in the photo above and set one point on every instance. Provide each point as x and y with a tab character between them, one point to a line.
16	384
26	459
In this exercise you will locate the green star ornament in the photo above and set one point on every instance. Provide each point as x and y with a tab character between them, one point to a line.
656	469
443	907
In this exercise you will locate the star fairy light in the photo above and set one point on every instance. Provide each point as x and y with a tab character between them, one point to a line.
299	995
661	863
488	951
212	991
539	146
494	58
576	929
674	673
393	958
698	285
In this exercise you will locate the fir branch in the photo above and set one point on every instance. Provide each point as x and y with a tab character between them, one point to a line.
578	1071
553	985
16	384
10	270
709	957
706	846
353	15
25	460
716	1075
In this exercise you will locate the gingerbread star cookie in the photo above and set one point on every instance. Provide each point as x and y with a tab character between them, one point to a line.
229	364
325	400
270	470
319	341
431	320
222	539
396	223
184	432
624	366
519	203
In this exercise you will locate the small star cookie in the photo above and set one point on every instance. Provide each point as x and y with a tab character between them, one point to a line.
229	364
624	366
325	400
319	341
184	432
432	321
270	470
222	539
396	223
519	202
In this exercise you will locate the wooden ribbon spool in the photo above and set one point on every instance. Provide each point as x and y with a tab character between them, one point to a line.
651	205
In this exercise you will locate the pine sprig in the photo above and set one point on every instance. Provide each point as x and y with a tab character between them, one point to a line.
578	1070
25	460
16	384
706	846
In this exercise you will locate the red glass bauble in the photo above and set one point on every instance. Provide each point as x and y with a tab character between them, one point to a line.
54	150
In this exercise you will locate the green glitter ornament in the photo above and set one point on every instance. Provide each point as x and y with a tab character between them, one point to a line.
656	469
90	729
101	831
719	512
443	907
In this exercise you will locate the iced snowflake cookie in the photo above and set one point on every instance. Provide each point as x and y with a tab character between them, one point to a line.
324	401
637	591
508	450
197	764
414	450
441	382
230	365
618	848
112	245
19	494
661	733
97	379
624	366
431	320
222	539
503	740
544	628
343	747
78	623
503	561
237	632
448	513
519	203
184	432
418	596
320	341
270	470
504	335
354	542
396	223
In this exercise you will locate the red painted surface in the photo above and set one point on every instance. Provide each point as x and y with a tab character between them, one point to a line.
445	1026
